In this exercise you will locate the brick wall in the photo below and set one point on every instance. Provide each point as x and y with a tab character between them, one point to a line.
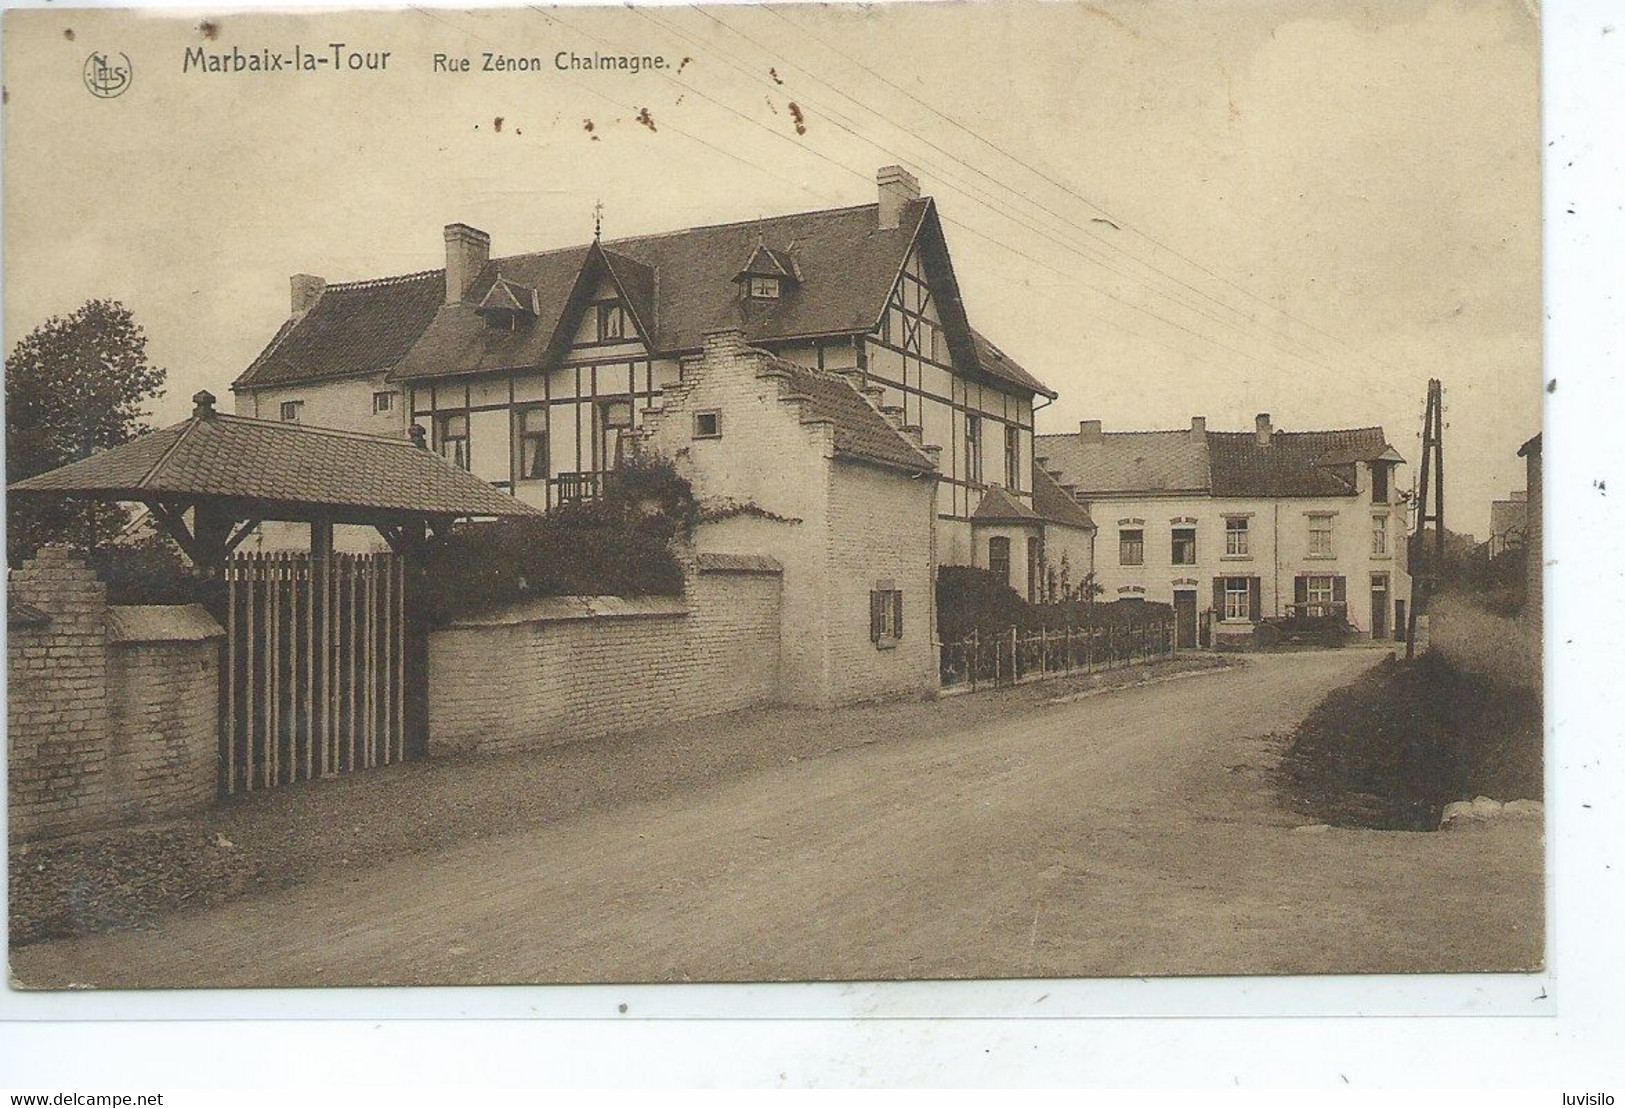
102	726
577	668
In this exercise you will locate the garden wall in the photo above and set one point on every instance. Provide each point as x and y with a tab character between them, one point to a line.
112	711
558	669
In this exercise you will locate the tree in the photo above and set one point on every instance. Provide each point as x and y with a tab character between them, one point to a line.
73	386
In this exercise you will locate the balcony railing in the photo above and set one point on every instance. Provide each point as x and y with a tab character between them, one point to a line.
572	488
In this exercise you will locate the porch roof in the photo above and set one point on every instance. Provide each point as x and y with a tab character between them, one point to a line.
279	471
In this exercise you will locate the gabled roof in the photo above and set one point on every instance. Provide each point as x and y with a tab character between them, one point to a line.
1295	463
355	328
228	457
1215	463
764	261
508	296
679	287
998	506
1129	461
861	432
1056	505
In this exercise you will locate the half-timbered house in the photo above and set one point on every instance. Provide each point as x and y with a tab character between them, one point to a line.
533	371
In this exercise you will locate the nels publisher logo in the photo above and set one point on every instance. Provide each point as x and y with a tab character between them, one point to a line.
108	75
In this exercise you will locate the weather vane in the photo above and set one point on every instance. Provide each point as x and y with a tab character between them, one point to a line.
598	221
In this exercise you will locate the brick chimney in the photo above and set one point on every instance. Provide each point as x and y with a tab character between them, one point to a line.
1199	430
467	251
897	187
1261	424
306	291
1089	430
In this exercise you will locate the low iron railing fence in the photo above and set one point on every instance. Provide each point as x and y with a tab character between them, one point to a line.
1014	656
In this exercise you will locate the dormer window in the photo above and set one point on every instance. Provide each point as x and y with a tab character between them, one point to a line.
768	274
507	304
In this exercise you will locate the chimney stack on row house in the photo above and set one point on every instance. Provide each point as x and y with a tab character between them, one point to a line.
1199	430
306	291
1089	430
1262	425
898	187
467	251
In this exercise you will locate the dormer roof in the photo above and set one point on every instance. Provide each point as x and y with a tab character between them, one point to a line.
509	296
764	261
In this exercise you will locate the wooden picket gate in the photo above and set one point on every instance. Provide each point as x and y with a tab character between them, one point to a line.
315	667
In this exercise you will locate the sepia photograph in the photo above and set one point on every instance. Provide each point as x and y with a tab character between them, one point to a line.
773	493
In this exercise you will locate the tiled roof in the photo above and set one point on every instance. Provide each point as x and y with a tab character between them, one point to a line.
1129	461
1295	463
680	286
281	463
1216	463
999	364
861	432
998	506
360	327
1056	505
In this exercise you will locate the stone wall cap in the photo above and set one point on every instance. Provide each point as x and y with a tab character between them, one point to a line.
737	563
558	609
161	623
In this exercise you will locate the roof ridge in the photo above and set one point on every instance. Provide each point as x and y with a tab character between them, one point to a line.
167	454
381	282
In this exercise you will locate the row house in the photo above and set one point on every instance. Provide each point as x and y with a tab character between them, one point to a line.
1234	527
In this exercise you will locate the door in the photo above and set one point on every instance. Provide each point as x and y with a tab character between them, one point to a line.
1401	628
1185	619
1379	605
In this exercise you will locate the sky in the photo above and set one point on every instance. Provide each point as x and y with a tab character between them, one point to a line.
1161	209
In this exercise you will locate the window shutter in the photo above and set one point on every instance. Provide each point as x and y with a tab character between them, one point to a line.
1300	590
899	595
1255	599
875	602
1218	598
1340	589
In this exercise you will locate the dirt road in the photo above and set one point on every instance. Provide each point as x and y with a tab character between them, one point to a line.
1130	833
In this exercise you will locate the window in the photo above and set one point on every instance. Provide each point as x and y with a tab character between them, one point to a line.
292	410
708	425
1184	546
1379	482
1237	599
973	449
453	438
998	558
383	402
1321	590
764	288
611	322
1379	536
1012	457
1320	536
533	458
614	425
1131	547
1235	537
885	616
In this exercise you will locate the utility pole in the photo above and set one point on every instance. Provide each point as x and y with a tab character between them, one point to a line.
1423	583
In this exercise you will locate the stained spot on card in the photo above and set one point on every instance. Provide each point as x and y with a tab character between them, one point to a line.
646	119
209	29
774	73
1551	386
496	124
587	126
801	120
770	106
683	63
67	33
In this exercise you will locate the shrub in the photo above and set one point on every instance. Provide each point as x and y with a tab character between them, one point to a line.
974	601
618	545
